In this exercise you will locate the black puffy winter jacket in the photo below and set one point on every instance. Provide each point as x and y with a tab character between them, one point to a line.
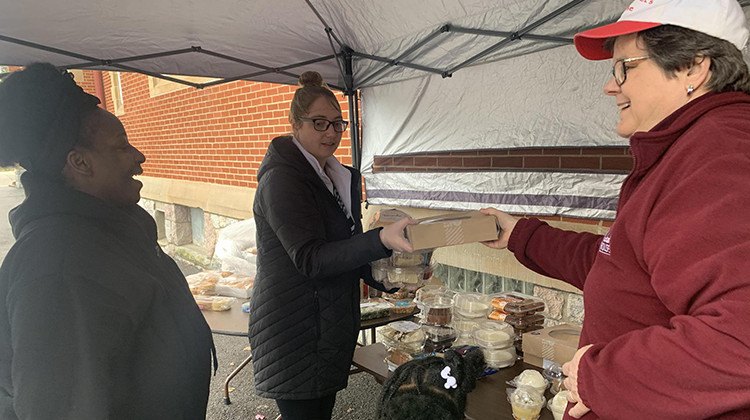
305	306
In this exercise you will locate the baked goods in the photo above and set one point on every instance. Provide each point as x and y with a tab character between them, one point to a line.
214	303
526	403
406	336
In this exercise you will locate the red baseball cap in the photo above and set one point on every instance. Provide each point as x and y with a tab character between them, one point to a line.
722	19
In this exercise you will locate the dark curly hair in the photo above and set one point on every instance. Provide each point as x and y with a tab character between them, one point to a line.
417	391
41	115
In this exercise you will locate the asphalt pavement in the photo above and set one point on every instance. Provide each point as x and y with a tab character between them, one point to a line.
357	402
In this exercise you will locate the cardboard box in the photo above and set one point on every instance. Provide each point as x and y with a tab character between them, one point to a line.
554	344
452	229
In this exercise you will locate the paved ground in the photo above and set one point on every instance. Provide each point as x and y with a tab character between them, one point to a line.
357	402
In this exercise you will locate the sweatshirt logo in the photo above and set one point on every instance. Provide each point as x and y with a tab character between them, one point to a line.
604	246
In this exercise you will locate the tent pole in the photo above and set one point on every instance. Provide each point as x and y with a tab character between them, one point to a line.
353	99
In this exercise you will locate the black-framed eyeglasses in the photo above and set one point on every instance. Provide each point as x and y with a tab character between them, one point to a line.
322	124
620	68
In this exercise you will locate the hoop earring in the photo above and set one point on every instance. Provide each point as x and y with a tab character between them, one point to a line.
690	90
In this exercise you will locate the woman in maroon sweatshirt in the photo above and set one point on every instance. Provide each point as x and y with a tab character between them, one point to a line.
667	289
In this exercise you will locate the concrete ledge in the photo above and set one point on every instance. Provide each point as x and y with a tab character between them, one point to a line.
225	200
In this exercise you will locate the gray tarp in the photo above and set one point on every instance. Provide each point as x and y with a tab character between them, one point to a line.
526	90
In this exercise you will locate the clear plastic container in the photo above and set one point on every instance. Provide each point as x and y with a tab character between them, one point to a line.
374	308
432	291
214	303
500	358
531	378
409	259
379	270
405	336
494	338
402	306
525	321
437	310
438	337
525	403
517	304
464	326
557	405
553	374
397	358
472	305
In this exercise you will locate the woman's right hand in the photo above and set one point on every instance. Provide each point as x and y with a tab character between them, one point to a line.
506	223
392	236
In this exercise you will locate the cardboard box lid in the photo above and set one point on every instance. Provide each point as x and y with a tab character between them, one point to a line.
553	344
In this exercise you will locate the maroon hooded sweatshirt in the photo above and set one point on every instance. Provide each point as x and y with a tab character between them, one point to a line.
667	289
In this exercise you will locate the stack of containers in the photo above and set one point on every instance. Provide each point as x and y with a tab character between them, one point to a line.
404	340
494	338
404	270
436	306
520	311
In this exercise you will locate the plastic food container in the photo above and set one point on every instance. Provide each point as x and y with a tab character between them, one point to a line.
409	259
525	321
402	306
500	358
557	404
214	303
472	305
374	308
553	374
408	277
532	379
494	338
396	358
438	337
437	310
526	404
405	336
517	304
379	270
465	326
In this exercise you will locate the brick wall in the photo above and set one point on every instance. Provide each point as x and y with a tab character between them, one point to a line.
217	135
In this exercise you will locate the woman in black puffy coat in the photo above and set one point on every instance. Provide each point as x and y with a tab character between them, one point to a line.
311	255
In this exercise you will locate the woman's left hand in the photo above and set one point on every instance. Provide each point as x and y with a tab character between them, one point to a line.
570	370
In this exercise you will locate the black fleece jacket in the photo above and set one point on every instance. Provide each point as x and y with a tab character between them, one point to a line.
95	320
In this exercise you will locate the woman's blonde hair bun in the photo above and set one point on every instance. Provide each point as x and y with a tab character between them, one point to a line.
312	79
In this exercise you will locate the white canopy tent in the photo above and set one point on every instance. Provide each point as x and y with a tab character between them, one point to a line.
434	76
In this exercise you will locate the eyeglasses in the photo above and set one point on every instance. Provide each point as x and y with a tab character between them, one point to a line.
620	68
322	124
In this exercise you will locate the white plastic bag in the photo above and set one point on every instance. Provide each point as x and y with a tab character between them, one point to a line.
235	246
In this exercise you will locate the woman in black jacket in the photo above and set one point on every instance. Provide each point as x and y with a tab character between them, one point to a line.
311	255
96	322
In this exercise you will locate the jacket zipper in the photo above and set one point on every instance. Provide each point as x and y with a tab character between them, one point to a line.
317	313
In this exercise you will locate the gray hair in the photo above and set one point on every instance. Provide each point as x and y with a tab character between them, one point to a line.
675	48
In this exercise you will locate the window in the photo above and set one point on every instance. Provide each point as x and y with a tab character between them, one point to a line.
158	86
117	93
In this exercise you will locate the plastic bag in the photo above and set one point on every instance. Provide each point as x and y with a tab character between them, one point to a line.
235	248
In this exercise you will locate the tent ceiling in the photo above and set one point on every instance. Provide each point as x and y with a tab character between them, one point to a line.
267	41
